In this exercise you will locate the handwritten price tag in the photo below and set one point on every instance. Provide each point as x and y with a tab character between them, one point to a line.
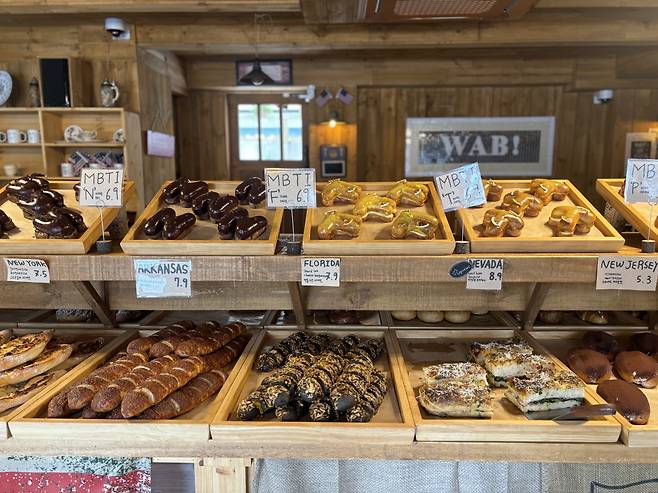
641	181
291	188
163	278
461	187
101	187
485	274
321	272
627	273
27	270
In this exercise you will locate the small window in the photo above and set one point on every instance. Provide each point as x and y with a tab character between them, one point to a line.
270	132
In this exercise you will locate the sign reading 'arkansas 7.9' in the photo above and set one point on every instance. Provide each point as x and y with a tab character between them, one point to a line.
508	146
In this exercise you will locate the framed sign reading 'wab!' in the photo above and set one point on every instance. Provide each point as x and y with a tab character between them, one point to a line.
506	146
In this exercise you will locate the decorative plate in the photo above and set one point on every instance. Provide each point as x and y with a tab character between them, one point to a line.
73	133
119	137
5	86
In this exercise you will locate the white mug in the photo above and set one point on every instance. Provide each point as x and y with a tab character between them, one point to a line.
33	136
15	136
67	169
3	137
10	169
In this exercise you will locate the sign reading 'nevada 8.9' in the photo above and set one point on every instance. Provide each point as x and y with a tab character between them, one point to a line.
520	146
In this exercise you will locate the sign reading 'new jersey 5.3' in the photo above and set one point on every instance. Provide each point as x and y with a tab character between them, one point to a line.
503	146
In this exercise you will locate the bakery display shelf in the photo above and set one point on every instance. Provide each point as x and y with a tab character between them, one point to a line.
392	425
320	320
617	320
536	236
416	349
560	343
375	237
490	320
253	318
113	339
636	214
203	238
22	241
31	423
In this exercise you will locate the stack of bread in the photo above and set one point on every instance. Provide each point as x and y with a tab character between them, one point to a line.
30	362
160	376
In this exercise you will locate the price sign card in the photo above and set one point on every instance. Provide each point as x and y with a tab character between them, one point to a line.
461	187
27	270
485	274
163	278
627	273
101	187
641	181
321	272
291	188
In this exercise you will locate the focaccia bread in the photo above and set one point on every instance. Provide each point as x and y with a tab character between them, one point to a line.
15	395
51	357
508	364
547	390
460	372
458	399
23	349
482	350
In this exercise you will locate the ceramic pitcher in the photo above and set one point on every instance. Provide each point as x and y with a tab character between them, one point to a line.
109	93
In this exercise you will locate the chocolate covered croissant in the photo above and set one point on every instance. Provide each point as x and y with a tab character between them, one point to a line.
375	207
340	191
339	224
568	220
548	190
409	193
522	203
416	225
499	222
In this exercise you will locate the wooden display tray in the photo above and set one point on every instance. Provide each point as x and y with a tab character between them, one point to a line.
391	425
536	236
204	238
33	424
22	241
113	340
560	342
636	214
417	349
375	237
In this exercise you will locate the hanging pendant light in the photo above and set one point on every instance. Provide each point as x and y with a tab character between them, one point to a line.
256	76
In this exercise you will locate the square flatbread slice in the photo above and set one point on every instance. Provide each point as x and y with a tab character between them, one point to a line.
23	349
547	390
482	350
463	372
455	399
508	364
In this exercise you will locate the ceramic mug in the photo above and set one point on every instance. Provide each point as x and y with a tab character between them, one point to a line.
10	169
15	136
33	136
67	170
3	137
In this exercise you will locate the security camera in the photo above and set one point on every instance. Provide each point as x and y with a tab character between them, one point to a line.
117	28
603	96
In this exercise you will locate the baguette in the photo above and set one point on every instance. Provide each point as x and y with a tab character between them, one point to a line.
58	407
82	394
110	397
198	346
23	349
143	344
51	357
89	413
228	353
197	391
15	395
115	414
169	344
156	388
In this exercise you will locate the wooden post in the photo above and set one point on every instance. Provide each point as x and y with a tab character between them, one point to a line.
97	303
539	293
216	475
297	304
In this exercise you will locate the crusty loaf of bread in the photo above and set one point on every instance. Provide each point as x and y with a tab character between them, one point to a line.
198	346
15	395
52	356
23	349
110	396
226	354
197	391
58	407
169	344
82	394
143	344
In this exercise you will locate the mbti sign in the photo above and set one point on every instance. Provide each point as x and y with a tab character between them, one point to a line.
502	146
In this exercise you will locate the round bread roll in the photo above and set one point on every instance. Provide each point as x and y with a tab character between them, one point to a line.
602	342
430	317
630	401
637	367
590	365
481	311
458	317
647	342
595	317
550	316
403	315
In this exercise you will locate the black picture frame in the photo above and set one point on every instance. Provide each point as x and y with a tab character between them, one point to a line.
243	67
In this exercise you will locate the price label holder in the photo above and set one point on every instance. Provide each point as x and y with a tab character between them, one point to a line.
485	274
290	188
321	272
27	270
627	273
642	186
101	188
163	278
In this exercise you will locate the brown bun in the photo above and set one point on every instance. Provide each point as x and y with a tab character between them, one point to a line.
590	365
550	316
602	342
646	342
637	367
631	403
597	317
